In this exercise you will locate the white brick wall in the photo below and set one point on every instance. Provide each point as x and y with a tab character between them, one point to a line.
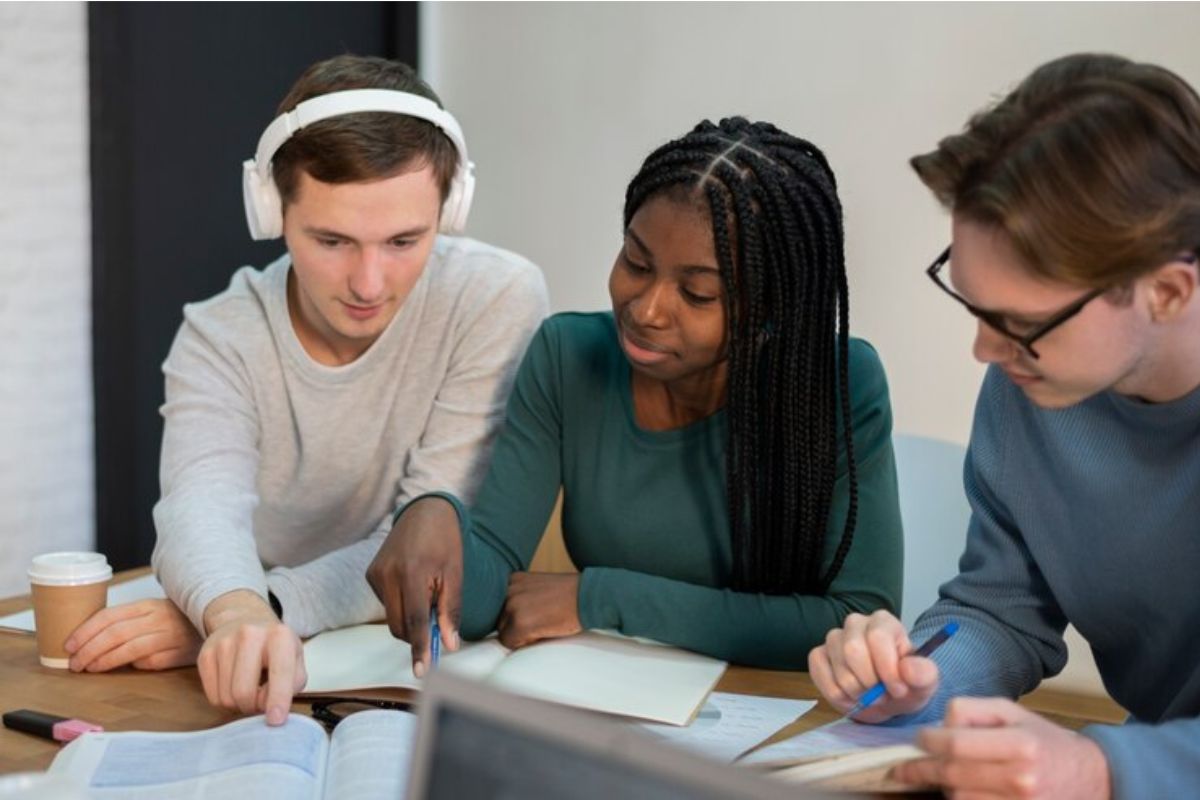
46	425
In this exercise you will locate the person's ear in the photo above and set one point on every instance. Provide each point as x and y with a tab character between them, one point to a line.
1172	288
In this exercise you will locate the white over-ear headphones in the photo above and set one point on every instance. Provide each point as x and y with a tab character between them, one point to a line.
264	208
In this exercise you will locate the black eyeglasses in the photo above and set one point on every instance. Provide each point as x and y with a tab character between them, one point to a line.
329	711
997	321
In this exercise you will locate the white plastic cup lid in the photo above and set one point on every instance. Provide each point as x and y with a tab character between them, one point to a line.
69	569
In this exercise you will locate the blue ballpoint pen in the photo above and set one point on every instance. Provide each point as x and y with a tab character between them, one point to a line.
435	637
878	690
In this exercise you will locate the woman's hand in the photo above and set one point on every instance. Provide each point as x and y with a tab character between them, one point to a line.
419	563
539	605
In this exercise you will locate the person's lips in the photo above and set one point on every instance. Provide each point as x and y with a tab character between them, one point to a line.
641	351
1020	378
362	312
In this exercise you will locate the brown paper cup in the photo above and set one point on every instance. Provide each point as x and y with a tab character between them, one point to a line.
67	589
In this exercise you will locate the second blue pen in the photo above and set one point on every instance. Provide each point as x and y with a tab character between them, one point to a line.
932	643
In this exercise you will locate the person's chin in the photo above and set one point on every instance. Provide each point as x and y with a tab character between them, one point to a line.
1047	397
655	371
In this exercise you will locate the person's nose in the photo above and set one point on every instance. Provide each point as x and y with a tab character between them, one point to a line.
651	309
367	278
991	346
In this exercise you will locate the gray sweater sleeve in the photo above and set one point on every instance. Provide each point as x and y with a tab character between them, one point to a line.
453	453
205	546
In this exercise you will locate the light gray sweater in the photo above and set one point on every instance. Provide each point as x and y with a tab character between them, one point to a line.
280	472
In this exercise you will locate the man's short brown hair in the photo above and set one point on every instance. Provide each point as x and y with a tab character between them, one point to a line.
1090	167
365	146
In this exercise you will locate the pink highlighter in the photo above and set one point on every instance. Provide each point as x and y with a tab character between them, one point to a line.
48	726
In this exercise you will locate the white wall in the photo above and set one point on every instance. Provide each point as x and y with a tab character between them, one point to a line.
560	102
46	486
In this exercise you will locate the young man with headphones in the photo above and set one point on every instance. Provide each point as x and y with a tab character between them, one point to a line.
310	400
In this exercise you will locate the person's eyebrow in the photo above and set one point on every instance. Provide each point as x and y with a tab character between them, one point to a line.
649	256
1021	317
1013	315
330	233
641	246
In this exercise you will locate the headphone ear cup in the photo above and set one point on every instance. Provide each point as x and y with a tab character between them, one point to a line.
264	208
458	202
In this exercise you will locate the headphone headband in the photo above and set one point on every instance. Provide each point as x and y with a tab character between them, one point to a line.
264	212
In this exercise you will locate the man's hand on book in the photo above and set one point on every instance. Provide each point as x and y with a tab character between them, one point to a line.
246	639
539	605
149	634
419	564
992	747
865	651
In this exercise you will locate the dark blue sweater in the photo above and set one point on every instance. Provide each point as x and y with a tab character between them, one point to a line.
1089	514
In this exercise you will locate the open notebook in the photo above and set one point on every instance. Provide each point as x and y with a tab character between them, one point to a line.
593	670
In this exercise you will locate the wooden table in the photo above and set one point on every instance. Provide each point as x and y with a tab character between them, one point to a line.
173	700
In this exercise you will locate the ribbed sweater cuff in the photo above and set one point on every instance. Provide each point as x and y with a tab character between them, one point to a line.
459	509
595	610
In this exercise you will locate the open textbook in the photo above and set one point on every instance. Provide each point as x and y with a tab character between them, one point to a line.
366	758
593	670
843	755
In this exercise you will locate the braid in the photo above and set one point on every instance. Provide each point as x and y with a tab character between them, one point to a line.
777	230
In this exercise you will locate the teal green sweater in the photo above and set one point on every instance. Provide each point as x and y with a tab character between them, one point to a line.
644	513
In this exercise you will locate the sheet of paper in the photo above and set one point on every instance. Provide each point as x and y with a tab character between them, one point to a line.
143	588
369	756
730	724
615	674
246	758
836	737
368	657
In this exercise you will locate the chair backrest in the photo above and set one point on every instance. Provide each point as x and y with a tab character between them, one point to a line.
934	509
551	554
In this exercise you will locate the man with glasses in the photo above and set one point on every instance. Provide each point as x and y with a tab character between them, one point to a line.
1075	228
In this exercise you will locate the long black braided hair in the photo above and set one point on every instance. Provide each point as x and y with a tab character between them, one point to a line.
777	226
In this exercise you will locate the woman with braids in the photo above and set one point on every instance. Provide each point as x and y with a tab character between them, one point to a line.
722	444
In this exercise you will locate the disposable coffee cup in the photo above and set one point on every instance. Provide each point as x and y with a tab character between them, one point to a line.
67	589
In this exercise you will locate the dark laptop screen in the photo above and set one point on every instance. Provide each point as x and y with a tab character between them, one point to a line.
475	757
